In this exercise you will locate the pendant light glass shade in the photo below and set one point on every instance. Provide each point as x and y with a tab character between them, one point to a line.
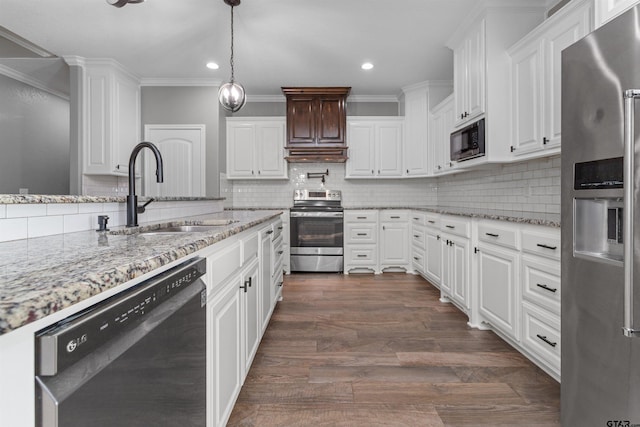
232	96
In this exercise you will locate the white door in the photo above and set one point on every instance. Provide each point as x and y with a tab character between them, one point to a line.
460	271
527	98
361	160
476	71
183	155
434	256
389	148
270	149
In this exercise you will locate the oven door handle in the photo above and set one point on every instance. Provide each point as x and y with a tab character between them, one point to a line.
317	214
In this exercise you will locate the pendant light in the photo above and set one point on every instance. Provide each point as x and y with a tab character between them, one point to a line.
231	95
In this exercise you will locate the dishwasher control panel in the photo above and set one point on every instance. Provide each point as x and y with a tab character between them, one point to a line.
71	339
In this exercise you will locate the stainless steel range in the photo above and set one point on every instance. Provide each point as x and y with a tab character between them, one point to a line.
317	231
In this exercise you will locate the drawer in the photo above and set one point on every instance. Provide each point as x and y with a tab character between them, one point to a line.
393	215
278	228
499	235
361	255
418	236
541	282
418	218
361	216
432	220
541	243
459	227
360	233
417	260
541	334
250	247
223	264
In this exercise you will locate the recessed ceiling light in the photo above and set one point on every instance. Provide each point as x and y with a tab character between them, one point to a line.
367	66
212	65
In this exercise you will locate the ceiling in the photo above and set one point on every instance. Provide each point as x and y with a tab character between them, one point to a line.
277	42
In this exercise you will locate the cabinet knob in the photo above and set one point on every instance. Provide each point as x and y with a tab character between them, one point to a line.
407	171
545	140
372	172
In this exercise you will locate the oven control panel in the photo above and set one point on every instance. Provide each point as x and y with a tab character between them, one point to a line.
333	195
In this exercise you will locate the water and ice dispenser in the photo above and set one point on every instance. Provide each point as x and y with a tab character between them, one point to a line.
598	220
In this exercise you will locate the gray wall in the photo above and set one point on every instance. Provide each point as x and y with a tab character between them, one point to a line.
34	139
188	105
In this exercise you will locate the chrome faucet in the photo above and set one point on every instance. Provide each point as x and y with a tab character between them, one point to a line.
132	199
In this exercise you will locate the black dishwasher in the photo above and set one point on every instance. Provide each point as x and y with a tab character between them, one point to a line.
136	359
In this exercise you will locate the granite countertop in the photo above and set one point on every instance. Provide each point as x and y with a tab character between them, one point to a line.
48	198
534	218
40	276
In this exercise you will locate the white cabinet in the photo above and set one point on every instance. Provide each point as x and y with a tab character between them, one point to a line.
266	290
255	148
361	240
456	245
433	264
418	242
375	147
277	265
418	100
469	74
606	10
441	119
394	239
481	72
251	313
536	80
110	116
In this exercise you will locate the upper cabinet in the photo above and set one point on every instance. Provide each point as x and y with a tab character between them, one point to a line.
441	124
469	61
606	10
316	123
536	77
375	147
255	148
482	67
109	113
418	100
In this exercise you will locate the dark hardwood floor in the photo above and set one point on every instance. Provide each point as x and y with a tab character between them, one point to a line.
365	350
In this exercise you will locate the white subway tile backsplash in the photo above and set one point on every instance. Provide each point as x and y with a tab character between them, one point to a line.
13	229
45	225
81	222
62	208
90	207
26	210
3	211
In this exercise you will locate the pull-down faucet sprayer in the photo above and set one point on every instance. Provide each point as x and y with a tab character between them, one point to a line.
132	199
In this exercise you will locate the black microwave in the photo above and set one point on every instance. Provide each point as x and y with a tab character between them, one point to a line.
468	142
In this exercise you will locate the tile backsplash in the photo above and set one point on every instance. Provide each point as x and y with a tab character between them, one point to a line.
531	186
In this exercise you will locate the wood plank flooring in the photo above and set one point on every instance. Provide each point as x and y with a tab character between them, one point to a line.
365	350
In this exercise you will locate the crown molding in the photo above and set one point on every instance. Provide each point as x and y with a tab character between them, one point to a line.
152	81
22	42
28	80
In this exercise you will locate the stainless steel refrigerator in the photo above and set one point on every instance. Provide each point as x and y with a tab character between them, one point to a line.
601	226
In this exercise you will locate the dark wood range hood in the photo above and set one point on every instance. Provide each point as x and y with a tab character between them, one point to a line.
316	124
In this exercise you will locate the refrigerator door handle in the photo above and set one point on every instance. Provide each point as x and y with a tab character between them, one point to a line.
630	96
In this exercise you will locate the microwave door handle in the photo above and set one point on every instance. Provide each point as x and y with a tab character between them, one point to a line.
630	96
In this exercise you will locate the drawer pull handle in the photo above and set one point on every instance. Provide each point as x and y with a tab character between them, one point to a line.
543	338
394	217
553	248
450	226
545	287
492	234
280	252
416	219
416	236
269	231
361	217
431	222
362	256
416	258
361	234
280	227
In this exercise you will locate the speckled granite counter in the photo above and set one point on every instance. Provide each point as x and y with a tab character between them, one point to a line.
43	275
534	218
48	198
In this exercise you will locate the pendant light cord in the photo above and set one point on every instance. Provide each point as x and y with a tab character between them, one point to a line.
231	61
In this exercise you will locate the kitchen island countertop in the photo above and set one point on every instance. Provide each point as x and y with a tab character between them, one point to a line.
40	276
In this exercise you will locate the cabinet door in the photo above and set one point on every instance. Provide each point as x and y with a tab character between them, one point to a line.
564	33
476	71
126	126
252	322
434	257
301	121
498	288
526	73
330	120
265	280
241	139
225	355
270	149
460	81
362	151
416	140
459	252
394	244
389	149
446	275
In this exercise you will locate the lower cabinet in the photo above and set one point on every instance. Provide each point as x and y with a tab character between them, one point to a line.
394	240
497	288
455	270
433	262
266	293
251	313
